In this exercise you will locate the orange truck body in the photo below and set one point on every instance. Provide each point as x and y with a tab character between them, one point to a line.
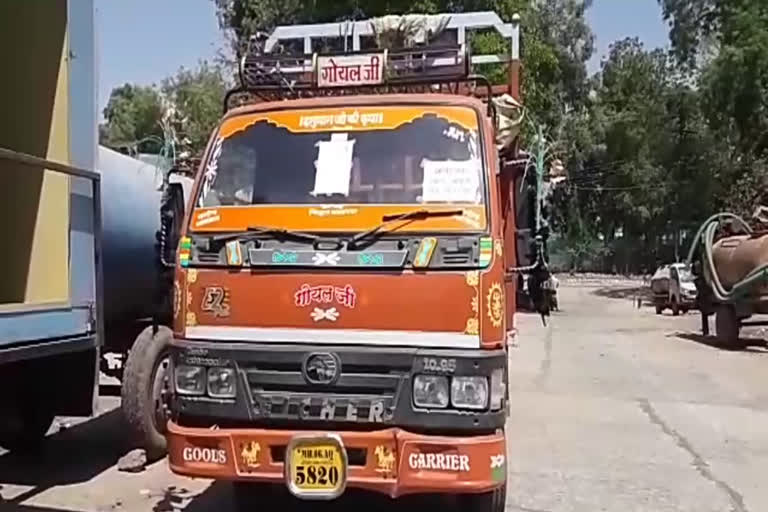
377	329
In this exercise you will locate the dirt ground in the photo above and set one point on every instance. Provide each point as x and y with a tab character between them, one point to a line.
613	409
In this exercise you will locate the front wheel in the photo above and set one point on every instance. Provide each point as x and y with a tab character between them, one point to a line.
727	328
146	384
493	501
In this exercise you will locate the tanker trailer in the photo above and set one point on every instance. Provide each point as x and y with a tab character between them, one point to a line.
731	275
142	208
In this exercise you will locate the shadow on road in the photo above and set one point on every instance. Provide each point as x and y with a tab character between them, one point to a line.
631	292
68	457
752	344
219	496
31	508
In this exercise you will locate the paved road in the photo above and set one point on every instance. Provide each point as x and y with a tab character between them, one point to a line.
613	409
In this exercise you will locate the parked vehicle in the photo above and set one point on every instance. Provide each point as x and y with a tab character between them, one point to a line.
50	315
673	288
730	258
88	229
341	298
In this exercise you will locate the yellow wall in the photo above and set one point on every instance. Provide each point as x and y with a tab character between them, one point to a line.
34	204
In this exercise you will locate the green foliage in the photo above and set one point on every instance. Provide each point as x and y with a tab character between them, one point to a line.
197	96
726	43
190	102
640	159
132	114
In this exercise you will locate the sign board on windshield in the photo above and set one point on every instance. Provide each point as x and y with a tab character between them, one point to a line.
350	70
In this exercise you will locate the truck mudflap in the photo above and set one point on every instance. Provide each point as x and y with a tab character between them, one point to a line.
391	461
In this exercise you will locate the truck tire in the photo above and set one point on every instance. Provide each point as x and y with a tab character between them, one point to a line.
493	501
675	307
727	328
145	382
25	423
659	309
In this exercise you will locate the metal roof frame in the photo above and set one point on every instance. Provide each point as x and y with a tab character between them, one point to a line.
461	22
267	72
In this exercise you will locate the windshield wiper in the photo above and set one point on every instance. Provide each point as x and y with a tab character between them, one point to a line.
256	231
389	219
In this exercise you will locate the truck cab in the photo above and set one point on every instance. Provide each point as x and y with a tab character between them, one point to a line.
342	299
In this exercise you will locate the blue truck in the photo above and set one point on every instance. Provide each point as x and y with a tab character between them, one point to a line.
83	288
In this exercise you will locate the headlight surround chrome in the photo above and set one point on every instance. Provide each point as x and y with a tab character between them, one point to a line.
189	380
431	391
221	382
469	392
498	389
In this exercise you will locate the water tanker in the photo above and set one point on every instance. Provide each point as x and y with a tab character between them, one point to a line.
731	263
142	207
132	192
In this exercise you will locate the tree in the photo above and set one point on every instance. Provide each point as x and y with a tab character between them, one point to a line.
197	97
727	45
132	115
734	76
643	164
186	108
693	24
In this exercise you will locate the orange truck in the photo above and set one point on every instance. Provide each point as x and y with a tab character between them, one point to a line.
342	297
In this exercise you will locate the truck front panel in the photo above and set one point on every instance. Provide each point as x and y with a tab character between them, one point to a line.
342	276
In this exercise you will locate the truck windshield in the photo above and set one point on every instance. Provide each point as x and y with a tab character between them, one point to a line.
386	157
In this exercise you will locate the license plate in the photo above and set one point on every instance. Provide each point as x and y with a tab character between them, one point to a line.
316	467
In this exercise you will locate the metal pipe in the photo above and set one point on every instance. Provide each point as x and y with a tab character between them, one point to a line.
33	161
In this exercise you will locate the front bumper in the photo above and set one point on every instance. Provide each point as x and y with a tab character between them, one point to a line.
372	391
390	461
688	300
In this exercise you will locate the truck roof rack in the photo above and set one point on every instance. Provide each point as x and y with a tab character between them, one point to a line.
270	72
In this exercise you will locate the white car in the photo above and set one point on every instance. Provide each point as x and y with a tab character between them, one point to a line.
673	287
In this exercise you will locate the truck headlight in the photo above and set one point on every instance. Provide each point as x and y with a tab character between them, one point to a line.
190	380
221	382
430	391
469	392
498	389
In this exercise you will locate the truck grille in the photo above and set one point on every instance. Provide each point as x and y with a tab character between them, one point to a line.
363	393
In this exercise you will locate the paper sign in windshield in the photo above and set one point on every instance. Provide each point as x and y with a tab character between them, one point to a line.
451	181
333	165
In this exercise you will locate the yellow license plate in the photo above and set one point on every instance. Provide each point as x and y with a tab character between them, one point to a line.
317	467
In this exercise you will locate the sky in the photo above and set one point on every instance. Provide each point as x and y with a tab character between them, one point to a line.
144	41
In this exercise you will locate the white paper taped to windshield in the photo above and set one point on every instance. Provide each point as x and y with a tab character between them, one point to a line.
333	167
451	181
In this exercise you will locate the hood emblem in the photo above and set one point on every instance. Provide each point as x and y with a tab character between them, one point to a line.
329	258
321	368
